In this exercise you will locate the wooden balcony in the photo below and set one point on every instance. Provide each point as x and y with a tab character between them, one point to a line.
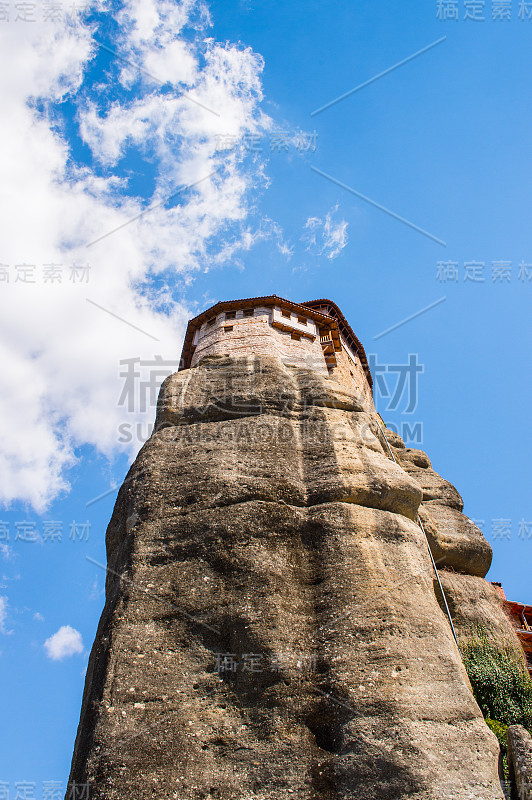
327	345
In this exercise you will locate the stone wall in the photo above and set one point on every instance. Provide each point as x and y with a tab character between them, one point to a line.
350	372
255	336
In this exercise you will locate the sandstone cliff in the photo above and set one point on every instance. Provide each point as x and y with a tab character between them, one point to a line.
462	554
272	627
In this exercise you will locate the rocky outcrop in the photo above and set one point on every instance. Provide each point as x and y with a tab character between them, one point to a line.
455	541
476	605
271	627
520	762
462	554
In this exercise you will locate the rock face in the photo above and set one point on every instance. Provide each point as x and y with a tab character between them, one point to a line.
462	554
271	627
455	541
520	761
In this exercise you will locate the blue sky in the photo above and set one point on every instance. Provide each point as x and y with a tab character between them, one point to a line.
109	114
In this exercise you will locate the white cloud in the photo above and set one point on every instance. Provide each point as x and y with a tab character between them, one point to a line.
61	354
38	617
325	237
65	642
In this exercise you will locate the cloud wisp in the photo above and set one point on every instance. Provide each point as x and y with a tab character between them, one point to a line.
3	614
325	237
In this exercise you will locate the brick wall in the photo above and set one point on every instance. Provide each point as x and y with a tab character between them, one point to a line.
350	372
255	335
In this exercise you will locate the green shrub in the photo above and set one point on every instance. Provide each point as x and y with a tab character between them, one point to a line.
500	681
500	730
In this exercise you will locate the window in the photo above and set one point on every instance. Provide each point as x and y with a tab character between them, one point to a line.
248	312
296	337
286	314
230	315
211	322
228	328
302	320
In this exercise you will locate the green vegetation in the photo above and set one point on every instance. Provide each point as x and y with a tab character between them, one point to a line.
501	685
500	681
500	730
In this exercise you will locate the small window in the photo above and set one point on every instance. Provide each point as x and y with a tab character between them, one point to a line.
248	312
286	314
211	322
302	320
296	337
228	328
230	315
